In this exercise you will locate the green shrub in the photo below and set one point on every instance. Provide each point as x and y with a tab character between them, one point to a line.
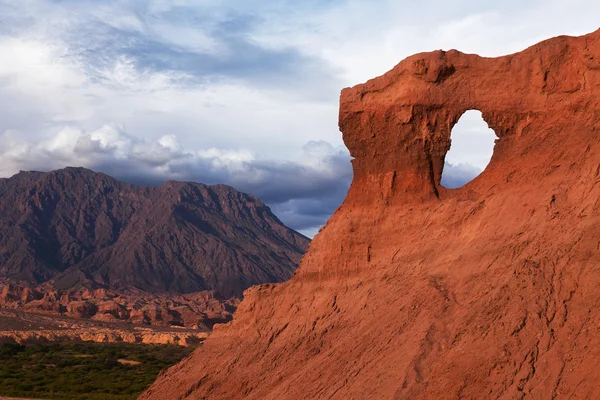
83	370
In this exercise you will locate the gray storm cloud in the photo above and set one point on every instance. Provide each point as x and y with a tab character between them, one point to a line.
303	192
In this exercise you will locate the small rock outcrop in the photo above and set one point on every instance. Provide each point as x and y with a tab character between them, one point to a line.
31	328
414	291
102	335
200	310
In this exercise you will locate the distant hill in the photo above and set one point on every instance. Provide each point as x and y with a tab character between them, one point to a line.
78	228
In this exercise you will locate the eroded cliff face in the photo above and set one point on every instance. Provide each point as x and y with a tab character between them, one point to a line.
414	291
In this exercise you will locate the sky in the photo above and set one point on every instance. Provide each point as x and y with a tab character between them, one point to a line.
241	92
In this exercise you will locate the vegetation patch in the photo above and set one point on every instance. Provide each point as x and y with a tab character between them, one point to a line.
91	371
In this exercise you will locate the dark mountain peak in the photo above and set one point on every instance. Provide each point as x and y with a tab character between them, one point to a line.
75	171
69	178
63	172
81	175
220	190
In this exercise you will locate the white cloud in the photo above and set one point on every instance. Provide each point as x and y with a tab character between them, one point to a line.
320	170
471	132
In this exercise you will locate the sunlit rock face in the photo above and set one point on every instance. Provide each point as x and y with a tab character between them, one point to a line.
416	291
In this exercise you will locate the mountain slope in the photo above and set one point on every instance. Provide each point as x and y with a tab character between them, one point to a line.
78	227
414	291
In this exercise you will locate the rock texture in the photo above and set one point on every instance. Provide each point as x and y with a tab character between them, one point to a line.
413	291
30	328
85	229
199	310
102	335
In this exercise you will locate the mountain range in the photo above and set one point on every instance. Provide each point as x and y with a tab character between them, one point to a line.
75	228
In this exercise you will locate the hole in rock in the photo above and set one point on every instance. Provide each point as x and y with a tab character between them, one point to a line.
470	151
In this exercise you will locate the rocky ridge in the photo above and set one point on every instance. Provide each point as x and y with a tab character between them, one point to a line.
200	310
32	328
77	228
414	291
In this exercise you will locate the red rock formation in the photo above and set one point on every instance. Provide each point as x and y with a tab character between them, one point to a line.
200	310
414	291
28	328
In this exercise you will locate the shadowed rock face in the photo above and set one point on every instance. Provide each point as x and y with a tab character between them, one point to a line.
414	291
80	228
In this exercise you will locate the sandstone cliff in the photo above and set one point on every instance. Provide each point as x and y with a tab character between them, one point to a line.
414	291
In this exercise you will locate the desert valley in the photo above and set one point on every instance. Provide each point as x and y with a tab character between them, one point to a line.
375	264
86	258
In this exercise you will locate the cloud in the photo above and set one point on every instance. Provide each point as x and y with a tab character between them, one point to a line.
198	43
455	176
303	193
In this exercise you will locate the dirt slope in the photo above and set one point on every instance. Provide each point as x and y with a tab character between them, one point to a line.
413	291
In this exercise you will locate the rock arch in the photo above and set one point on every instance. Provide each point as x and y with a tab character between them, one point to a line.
471	150
399	124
